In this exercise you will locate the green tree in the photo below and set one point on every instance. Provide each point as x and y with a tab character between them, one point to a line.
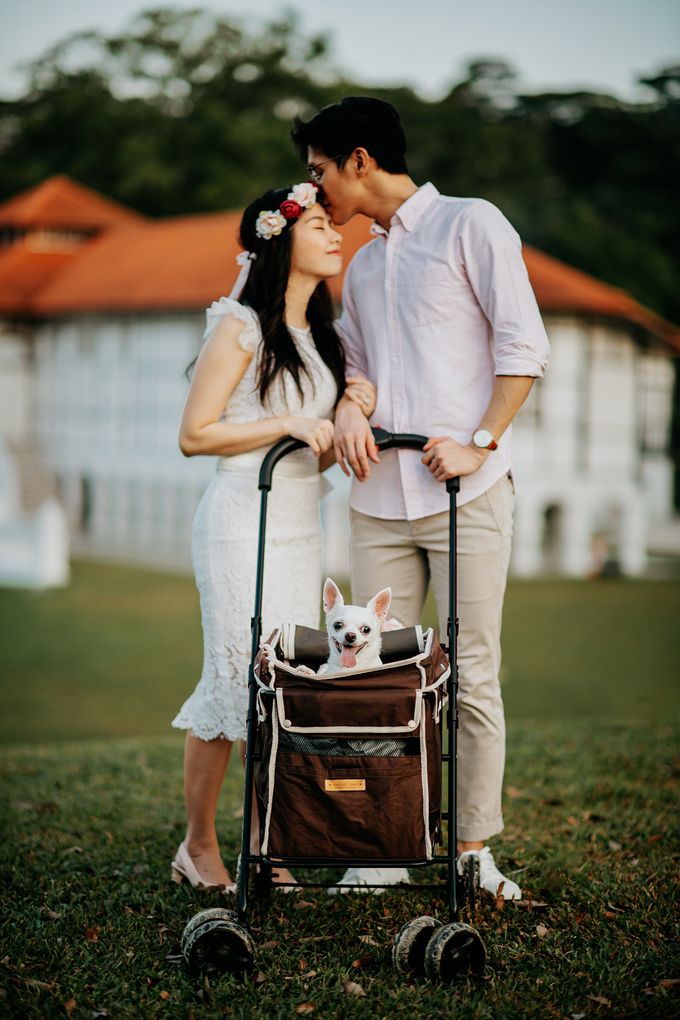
186	111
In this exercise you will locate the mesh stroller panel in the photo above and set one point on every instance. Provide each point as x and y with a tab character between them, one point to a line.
299	744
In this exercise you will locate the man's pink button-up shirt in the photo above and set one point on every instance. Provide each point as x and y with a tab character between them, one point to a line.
432	311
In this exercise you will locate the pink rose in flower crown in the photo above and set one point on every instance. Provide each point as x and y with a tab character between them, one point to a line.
304	194
269	224
290	209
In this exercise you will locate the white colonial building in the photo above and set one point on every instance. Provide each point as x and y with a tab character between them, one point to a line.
102	310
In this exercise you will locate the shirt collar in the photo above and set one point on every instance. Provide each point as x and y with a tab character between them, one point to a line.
410	211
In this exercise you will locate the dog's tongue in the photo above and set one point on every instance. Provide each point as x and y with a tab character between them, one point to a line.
348	658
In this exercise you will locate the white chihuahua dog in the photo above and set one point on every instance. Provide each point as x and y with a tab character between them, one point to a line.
354	632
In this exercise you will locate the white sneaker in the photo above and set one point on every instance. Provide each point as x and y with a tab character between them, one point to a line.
358	880
489	876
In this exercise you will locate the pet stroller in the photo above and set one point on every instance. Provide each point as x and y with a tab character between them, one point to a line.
347	771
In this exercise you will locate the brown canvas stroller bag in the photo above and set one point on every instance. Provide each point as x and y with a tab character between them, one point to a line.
348	766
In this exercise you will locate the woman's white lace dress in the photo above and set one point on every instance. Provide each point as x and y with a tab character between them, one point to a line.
225	531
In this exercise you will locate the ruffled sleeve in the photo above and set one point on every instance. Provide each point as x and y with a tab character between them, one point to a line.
249	337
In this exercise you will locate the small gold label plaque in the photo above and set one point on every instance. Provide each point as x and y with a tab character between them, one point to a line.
345	784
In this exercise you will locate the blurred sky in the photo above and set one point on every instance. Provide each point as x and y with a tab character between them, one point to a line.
598	44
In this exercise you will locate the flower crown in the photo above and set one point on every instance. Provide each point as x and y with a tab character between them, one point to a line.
270	222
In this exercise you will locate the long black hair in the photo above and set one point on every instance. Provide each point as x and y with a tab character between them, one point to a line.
265	293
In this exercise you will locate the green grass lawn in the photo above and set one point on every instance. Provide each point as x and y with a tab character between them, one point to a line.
90	920
116	653
92	812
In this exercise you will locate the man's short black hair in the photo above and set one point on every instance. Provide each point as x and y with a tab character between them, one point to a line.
356	121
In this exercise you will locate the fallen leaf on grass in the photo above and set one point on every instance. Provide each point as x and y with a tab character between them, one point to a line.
310	974
530	904
362	961
305	1007
92	934
655	838
368	940
270	944
352	988
572	820
259	978
541	930
301	904
601	999
669	982
51	915
69	1006
44	986
164	995
513	792
613	845
315	938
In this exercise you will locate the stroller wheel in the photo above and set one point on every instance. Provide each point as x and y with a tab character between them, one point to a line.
454	950
410	942
215	942
470	881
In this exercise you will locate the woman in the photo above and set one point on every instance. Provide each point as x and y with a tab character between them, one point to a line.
271	366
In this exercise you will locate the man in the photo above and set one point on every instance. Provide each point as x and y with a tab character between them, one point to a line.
439	313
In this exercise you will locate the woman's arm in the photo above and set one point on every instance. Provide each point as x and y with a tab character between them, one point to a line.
219	369
362	392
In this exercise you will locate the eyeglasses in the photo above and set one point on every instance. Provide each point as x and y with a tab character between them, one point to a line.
313	168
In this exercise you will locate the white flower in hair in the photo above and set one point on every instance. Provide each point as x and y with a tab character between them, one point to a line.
304	194
269	224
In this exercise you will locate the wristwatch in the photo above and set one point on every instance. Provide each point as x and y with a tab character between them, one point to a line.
483	440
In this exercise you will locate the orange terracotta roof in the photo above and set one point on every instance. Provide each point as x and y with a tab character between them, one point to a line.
182	263
62	204
561	288
23	272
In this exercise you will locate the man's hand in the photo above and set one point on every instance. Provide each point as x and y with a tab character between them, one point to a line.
353	440
446	458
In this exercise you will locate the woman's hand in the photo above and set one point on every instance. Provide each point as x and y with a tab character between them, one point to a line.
317	433
361	392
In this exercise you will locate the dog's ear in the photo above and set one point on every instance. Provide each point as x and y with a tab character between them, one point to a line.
380	603
332	596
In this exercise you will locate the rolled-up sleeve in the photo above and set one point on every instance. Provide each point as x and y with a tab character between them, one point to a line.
347	328
491	253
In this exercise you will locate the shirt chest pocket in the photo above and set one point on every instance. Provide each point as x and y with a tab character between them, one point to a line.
428	296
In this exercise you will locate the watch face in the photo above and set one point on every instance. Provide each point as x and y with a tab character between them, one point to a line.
482	438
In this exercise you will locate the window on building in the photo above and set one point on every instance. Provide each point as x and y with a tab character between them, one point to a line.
552	539
86	503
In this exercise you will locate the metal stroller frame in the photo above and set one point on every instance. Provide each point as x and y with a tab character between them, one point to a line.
423	944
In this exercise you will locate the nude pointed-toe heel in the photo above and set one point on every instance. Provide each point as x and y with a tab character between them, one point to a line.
183	869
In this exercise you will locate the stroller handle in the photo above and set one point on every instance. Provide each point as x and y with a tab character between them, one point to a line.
384	440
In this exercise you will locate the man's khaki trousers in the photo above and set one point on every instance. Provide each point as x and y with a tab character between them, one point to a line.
406	555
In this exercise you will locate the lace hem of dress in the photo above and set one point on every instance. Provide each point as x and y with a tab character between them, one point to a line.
211	728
